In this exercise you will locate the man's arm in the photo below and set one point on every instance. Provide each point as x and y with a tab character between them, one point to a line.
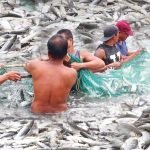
130	56
12	75
89	62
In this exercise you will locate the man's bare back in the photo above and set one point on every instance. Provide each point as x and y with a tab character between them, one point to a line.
52	84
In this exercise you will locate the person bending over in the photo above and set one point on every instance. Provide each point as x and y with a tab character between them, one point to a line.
89	61
52	80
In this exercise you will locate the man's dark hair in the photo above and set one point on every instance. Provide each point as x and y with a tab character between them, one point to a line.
57	46
66	33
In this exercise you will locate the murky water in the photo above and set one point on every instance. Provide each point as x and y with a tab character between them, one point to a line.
133	78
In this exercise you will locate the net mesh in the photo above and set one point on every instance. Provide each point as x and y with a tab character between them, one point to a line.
133	77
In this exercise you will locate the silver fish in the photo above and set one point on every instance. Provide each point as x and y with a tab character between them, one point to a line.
145	127
63	11
130	128
56	11
24	130
130	144
95	2
9	134
9	43
86	135
42	145
144	140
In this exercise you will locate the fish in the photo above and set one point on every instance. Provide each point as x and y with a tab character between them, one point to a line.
29	37
127	115
95	2
72	124
63	12
23	131
67	129
144	140
147	110
126	107
22	95
18	32
84	1
130	144
25	75
8	134
52	17
86	135
25	104
42	145
115	143
11	2
130	128
88	25
9	43
90	142
145	127
56	11
11	14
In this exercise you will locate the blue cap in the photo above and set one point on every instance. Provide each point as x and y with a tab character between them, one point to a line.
109	32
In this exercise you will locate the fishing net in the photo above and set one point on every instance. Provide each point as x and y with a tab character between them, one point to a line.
131	78
89	83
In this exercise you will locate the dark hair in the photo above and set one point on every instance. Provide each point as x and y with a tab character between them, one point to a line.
57	46
67	33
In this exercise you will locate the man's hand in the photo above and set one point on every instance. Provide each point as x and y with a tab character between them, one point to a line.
116	65
13	75
76	66
138	51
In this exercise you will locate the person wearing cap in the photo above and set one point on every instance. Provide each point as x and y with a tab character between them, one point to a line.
107	51
124	32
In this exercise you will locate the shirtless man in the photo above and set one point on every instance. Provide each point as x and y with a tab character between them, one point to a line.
51	79
108	51
89	61
124	32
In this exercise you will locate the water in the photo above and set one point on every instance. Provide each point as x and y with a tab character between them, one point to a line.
132	79
132	82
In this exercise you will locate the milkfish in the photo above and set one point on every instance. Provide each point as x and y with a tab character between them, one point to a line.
24	130
9	43
130	144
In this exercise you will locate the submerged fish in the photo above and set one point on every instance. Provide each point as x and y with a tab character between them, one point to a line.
129	128
9	43
24	130
144	140
130	144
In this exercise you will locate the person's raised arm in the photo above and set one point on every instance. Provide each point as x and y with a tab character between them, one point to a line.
89	62
130	56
